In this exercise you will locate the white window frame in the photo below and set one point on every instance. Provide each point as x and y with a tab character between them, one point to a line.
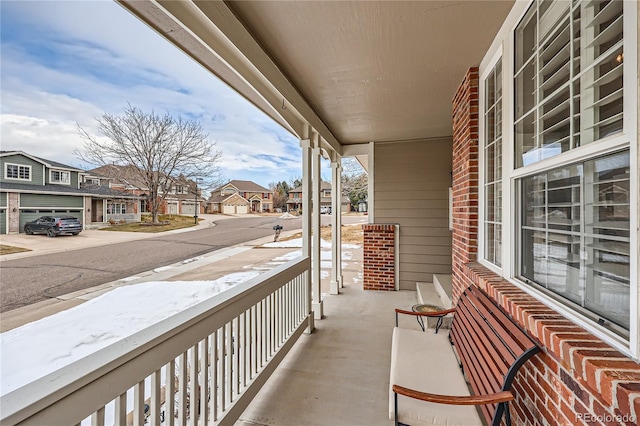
487	69
58	182
121	207
503	46
6	170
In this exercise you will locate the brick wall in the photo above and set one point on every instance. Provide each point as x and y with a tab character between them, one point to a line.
577	379
465	177
379	257
13	202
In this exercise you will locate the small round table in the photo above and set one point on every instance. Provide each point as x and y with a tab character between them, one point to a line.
425	308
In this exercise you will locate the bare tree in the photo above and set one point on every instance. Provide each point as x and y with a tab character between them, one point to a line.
157	148
354	181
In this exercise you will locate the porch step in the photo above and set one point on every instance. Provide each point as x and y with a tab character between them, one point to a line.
436	293
444	287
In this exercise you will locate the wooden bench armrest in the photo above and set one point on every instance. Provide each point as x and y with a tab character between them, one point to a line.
426	314
493	398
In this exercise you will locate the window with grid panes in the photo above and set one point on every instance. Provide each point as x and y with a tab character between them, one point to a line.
17	171
575	236
568	77
59	176
493	166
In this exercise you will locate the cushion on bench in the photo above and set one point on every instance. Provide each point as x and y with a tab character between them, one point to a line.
439	373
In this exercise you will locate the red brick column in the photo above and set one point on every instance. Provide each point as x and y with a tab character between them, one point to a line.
379	257
465	178
577	379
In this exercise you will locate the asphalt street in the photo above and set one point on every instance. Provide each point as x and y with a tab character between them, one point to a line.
33	279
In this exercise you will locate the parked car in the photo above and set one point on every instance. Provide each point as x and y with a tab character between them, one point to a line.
54	226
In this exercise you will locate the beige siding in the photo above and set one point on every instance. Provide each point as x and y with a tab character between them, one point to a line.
412	182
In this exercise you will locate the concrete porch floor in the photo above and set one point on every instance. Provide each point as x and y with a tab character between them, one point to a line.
339	375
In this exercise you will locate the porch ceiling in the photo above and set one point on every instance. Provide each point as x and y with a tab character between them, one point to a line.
357	71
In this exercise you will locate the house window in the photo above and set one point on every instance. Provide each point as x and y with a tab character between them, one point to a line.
571	172
575	236
568	77
59	176
17	171
116	208
493	166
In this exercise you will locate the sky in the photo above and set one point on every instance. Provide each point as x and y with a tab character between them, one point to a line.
117	314
65	63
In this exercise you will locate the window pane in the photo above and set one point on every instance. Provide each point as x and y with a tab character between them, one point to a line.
526	38
607	226
526	152
493	166
575	235
568	77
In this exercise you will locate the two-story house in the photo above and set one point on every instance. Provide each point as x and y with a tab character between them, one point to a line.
240	196
31	187
184	198
294	202
179	198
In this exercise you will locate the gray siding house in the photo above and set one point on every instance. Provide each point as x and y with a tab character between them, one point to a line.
31	187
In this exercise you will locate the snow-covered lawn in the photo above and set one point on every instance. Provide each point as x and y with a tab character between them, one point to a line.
41	347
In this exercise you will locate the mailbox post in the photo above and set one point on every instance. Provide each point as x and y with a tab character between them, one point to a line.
277	228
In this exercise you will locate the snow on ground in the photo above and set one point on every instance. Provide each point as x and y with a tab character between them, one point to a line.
297	243
287	216
289	256
34	350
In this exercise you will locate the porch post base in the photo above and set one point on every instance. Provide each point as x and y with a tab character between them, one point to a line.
318	308
311	325
334	286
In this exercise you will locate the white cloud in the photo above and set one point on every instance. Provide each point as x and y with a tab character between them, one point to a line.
67	62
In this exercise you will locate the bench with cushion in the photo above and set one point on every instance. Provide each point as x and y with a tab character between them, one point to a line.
439	378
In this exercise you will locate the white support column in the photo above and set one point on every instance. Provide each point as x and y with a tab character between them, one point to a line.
370	185
315	224
305	144
336	224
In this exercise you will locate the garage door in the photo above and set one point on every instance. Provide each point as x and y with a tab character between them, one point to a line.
229	209
75	213
30	215
3	221
188	209
242	209
172	208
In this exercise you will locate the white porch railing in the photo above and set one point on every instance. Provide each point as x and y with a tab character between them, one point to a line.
201	366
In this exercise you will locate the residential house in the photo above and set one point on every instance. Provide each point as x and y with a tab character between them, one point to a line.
31	187
240	196
294	203
180	196
528	110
